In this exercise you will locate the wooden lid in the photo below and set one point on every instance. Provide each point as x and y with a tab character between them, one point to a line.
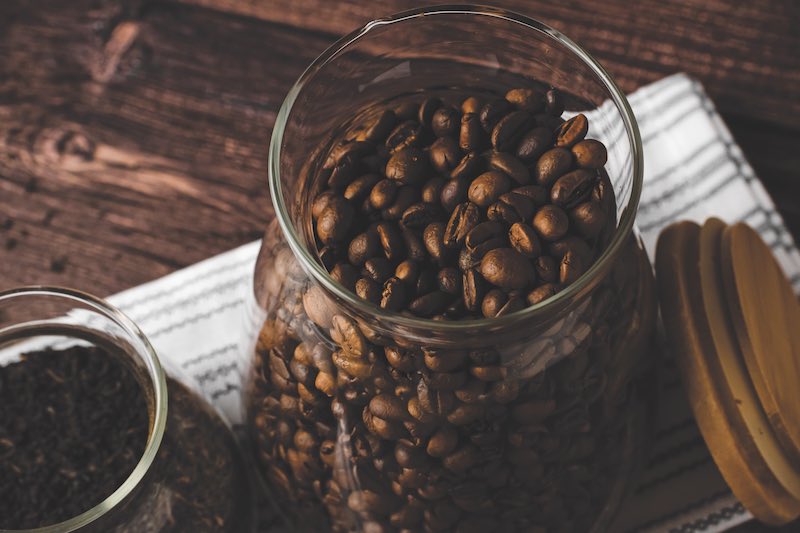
721	395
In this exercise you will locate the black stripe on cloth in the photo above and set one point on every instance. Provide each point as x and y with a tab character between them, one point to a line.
682	510
694	155
703	174
196	318
216	373
216	290
228	389
210	355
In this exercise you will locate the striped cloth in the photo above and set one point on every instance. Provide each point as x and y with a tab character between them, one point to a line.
693	170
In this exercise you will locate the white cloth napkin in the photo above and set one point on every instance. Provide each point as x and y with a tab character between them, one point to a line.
693	170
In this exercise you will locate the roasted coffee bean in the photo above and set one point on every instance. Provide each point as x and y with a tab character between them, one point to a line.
446	381
588	219
494	300
419	215
321	202
433	237
368	290
454	193
526	99
388	407
362	247
552	165
483	232
346	274
471	104
506	268
546	269
572	131
551	223
524	240
443	442
573	244
347	150
573	188
407	455
542	293
407	272
488	187
406	196
432	190
407	166
426	281
463	219
554	103
405	135
427	109
360	187
442	516
400	359
489	373
511	166
466	414
378	269
449	280
391	240
394	295
446	122
381	127
590	153
469	259
345	333
471	135
474	288
493	111
537	194
383	194
469	167
507	133
430	304
342	174
533	144
415	248
511	207
334	222
572	267
462	459
445	155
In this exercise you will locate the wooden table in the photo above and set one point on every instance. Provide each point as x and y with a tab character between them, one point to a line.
134	134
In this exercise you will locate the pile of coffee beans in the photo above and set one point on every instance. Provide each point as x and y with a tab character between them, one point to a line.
461	211
73	425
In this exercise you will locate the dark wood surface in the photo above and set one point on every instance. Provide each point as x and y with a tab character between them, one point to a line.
134	134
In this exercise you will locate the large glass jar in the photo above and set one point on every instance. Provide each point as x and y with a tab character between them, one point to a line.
191	475
527	422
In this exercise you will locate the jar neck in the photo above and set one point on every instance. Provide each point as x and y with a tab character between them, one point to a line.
35	318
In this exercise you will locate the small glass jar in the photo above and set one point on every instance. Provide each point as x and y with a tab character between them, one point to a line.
191	475
527	422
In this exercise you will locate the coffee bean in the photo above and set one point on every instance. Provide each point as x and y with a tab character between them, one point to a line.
449	280
443	442
463	219
427	109
527	99
320	203
469	167
509	165
493	111
484	232
362	247
388	407
471	104
524	240
465	414
552	165
432	190
433	237
572	131
554	103
573	188
405	135
489	373
446	122
551	223
546	269
588	219
381	127
471	135
368	290
407	272
533	144
511	207
319	308
542	293
430	304
391	240
426	281
446	381
537	194
453	193
462	459
444	360
488	187
572	267
342	174
507	133
494	300
360	187
334	222
345	274
347	150
383	194
415	248
469	259
436	401
345	333
407	166
394	295
445	155
474	289
406	196
378	269
442	516
409	456
407	518
506	268
419	215
590	153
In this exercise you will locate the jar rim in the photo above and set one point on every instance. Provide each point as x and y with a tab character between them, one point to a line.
158	382
320	275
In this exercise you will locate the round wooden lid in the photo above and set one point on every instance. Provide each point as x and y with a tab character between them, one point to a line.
766	318
753	464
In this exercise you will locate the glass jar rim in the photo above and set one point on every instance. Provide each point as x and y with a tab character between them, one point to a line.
159	383
307	260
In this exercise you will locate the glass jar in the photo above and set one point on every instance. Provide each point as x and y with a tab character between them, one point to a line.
190	476
526	422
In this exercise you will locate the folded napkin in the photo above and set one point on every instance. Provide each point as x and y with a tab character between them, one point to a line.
693	170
